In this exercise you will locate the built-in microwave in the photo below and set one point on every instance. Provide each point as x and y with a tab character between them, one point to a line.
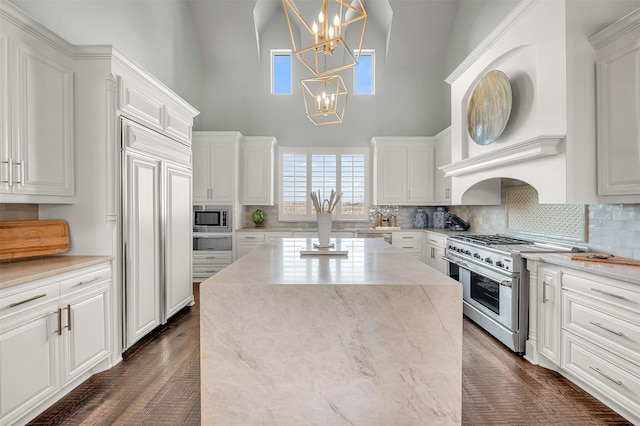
210	218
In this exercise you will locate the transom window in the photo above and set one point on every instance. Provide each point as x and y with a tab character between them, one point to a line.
364	73
306	170
281	72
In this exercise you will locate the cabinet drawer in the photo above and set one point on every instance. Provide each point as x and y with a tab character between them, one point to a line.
250	238
210	258
603	371
596	322
15	302
86	279
403	237
435	239
408	245
613	291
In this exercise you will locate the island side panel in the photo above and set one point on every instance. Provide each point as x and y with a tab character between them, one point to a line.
331	354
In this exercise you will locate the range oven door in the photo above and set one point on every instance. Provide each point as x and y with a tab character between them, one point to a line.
491	293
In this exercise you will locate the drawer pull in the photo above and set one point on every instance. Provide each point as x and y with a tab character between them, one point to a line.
59	322
544	292
597	324
68	318
597	370
87	282
13	305
606	293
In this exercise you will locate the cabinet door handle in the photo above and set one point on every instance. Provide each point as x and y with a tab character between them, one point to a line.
87	282
21	164
9	180
597	324
606	293
68	326
13	305
59	322
597	370
544	292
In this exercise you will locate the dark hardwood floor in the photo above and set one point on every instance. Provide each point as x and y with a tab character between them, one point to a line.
158	383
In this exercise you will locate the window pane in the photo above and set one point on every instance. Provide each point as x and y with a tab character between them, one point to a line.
363	75
294	184
323	174
353	184
281	74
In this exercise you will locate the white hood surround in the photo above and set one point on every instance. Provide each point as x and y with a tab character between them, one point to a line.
550	140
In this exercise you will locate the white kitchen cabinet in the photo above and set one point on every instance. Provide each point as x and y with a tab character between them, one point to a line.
618	110
36	114
442	158
247	241
53	332
549	310
271	236
433	247
215	163
208	263
257	180
403	170
409	242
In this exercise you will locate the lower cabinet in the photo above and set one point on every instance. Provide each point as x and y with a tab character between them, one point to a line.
245	242
409	242
208	263
433	246
588	326
53	332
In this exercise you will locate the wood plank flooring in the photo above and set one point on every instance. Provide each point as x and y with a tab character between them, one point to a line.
158	383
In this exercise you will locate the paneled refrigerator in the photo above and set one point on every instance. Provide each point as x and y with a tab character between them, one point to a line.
156	228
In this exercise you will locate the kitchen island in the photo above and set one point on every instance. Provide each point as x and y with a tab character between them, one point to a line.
373	337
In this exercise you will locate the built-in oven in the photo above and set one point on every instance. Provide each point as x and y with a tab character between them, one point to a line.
211	218
212	242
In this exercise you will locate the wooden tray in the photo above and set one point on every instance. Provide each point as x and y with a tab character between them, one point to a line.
28	238
605	258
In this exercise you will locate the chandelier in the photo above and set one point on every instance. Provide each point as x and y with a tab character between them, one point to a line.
332	41
325	99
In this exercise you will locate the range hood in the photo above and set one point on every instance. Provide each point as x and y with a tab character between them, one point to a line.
549	141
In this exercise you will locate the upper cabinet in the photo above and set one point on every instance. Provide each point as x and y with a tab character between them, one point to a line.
257	180
36	115
403	170
443	157
215	159
618	110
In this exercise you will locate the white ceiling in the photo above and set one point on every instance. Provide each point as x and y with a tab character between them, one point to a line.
417	31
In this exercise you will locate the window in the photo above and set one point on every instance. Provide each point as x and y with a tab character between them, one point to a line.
281	72
306	170
363	73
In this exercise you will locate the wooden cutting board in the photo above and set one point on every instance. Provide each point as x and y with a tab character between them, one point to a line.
28	238
605	258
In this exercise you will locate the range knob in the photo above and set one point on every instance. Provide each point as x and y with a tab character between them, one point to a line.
467	252
499	264
488	260
477	255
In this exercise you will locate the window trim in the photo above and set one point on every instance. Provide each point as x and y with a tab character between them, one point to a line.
366	52
281	52
310	215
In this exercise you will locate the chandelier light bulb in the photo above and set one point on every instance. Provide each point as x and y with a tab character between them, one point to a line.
331	32
321	18
314	27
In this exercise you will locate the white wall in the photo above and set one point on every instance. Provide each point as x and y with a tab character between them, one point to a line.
408	101
156	35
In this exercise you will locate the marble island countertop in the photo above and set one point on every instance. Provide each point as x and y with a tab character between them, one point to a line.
16	272
372	337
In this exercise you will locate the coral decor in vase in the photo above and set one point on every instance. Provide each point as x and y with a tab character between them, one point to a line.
258	218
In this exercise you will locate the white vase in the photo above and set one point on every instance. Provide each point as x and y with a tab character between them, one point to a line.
324	228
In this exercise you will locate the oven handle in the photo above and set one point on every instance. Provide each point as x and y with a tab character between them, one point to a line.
462	264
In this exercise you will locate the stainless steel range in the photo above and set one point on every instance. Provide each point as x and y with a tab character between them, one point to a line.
494	282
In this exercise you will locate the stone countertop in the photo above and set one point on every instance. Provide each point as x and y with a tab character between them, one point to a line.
372	337
16	272
442	231
625	273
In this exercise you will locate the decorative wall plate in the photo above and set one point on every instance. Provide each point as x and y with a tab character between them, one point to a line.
489	107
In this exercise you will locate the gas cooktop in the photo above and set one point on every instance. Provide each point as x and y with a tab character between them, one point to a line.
491	240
